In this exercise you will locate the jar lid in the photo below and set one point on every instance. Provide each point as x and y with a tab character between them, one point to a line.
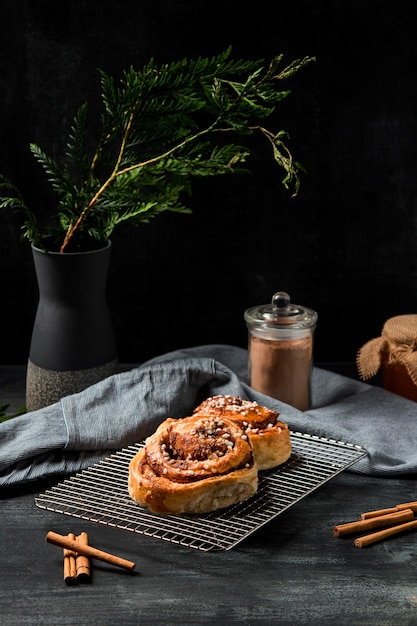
402	329
280	315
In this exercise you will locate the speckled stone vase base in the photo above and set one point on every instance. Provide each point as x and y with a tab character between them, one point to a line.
45	387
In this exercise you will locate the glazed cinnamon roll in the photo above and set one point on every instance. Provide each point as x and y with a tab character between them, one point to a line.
269	436
193	465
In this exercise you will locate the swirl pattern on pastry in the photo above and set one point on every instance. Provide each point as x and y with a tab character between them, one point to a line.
269	436
195	464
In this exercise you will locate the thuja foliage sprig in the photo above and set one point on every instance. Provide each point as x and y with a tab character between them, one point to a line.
160	127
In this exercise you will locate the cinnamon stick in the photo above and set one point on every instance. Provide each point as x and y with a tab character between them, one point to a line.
82	562
379	512
362	542
70	571
408	505
394	509
86	550
374	522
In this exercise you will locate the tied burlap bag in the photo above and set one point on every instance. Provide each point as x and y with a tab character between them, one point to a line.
395	353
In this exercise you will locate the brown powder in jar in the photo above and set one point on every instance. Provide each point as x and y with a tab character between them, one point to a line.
282	369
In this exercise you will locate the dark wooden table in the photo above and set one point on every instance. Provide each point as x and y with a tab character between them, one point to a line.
291	571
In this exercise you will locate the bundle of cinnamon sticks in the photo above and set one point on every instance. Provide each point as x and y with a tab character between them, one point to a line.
77	553
76	566
394	520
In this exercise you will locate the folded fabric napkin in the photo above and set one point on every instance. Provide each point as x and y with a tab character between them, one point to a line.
123	409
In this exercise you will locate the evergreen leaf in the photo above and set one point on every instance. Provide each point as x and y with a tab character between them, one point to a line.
76	145
58	176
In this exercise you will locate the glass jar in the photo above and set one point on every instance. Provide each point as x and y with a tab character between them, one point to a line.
395	354
280	344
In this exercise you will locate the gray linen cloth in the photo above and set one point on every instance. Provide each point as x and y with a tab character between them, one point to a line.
85	427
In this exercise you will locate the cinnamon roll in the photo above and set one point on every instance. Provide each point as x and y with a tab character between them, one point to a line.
269	436
195	464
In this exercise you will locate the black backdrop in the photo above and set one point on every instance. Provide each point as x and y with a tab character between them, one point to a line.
345	246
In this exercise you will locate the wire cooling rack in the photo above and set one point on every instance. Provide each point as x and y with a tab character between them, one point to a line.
99	494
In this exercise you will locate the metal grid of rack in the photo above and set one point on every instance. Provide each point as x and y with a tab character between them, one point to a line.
99	494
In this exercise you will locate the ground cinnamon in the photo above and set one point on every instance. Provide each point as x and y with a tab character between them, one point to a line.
282	369
281	350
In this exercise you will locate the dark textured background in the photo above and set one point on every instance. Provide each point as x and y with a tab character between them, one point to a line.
345	246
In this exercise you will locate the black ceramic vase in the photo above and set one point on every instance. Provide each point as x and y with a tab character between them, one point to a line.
72	343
